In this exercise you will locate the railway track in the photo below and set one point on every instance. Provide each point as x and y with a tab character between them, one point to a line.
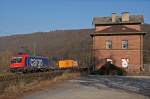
48	75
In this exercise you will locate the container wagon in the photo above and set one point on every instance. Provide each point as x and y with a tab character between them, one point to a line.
67	64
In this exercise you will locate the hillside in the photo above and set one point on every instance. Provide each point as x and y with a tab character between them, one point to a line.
47	43
57	45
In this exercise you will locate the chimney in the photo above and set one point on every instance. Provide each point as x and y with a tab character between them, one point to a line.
125	17
113	17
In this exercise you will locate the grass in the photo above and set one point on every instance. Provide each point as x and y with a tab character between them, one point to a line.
2	74
18	89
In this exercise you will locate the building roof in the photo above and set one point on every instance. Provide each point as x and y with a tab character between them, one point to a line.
108	20
118	28
117	33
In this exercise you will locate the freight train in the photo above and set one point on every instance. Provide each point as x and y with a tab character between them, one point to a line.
26	63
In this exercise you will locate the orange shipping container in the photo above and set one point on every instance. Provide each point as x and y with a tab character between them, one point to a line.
67	63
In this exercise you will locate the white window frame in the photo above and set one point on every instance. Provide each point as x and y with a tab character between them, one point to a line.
108	44
124	44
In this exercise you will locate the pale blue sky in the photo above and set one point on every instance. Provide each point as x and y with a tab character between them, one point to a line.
27	16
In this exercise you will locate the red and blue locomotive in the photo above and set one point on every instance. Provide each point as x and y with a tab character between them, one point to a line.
24	63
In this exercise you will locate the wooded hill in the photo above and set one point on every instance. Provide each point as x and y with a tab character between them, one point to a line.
47	43
59	44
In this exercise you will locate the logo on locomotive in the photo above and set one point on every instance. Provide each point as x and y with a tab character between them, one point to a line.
36	62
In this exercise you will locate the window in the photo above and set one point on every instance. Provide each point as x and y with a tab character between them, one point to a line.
16	60
109	44
124	44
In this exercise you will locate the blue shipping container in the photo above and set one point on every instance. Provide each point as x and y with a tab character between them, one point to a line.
37	62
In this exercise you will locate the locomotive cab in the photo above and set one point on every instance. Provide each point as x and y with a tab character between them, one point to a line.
16	60
18	63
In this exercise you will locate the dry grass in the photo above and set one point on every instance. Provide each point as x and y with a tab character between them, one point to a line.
17	90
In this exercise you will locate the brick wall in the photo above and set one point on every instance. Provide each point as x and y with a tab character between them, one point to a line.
133	53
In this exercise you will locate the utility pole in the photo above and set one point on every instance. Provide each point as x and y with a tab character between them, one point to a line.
34	49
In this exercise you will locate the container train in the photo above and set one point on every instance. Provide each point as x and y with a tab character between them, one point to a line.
27	63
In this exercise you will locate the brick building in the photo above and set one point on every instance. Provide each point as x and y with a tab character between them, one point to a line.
119	40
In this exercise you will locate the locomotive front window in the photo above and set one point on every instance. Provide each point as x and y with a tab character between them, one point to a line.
16	60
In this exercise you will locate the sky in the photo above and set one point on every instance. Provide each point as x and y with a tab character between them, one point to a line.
28	16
